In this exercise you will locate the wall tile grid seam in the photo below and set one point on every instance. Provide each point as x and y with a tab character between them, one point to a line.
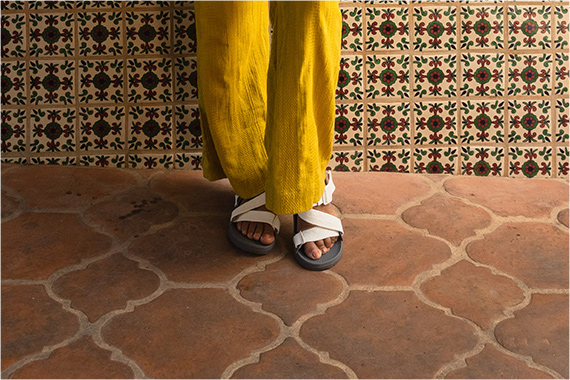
365	53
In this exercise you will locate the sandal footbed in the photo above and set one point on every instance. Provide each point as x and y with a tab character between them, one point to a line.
244	243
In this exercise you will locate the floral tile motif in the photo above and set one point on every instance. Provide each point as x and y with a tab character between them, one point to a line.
101	81
530	162
183	3
346	161
350	84
101	128
149	80
14	43
52	34
13	83
561	74
103	160
529	27
145	3
482	27
51	82
387	76
561	127
96	4
393	160
53	130
100	33
186	79
147	32
389	124
189	161
13	160
44	160
435	75
12	5
530	74
184	31
348	128
482	122
387	28
482	161
351	29
13	131
561	24
49	4
150	128
188	130
436	160
435	28
151	161
436	123
483	74
529	121
562	156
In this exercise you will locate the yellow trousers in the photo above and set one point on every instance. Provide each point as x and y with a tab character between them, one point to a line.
267	114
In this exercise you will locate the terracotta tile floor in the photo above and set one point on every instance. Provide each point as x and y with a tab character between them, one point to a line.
123	273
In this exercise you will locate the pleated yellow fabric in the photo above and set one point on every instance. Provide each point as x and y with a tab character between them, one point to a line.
268	114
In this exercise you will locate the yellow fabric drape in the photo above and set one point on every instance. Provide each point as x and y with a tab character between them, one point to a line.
267	115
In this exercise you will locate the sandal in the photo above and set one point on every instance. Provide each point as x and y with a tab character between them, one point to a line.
325	225
244	212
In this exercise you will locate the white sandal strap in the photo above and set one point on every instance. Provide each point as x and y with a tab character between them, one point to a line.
246	212
326	198
325	225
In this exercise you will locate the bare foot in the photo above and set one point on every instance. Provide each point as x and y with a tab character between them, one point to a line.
261	232
314	250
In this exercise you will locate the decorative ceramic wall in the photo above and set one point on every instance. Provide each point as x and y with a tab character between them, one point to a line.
457	87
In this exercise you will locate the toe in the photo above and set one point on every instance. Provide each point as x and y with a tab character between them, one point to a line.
321	246
311	251
258	231
328	243
268	236
243	227
251	230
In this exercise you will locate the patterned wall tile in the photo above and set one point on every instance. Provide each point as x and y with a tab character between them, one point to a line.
529	27
49	4
530	74
350	83
184	3
351	29
392	160
97	4
561	127
436	160
562	156
49	160
14	42
101	81
483	74
387	28
530	162
482	161
387	76
482	27
12	5
561	75
149	80
151	161
52	34
150	128
103	160
189	161
435	28
186	79
102	128
100	33
346	161
13	83
435	76
184	31
14	160
482	122
348	128
561	23
53	130
147	4
436	123
389	124
529	121
52	82
147	32
13	131
188	130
